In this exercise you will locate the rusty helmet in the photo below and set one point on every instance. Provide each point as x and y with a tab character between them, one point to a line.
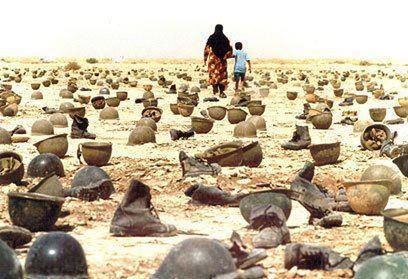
141	135
42	127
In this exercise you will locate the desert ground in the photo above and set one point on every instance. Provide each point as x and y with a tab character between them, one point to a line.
157	164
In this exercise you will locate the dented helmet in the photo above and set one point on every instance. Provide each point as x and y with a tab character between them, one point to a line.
198	258
56	255
91	183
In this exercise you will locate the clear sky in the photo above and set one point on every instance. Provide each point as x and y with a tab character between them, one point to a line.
174	28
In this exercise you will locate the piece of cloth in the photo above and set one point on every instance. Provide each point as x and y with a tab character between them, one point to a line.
241	59
217	68
239	76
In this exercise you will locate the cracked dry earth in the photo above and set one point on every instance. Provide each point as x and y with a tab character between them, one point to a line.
157	165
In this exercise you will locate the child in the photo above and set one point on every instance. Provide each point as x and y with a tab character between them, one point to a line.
241	58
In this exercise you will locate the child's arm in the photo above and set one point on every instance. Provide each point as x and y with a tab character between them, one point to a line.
249	65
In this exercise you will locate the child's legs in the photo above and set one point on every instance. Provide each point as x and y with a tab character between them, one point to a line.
237	78
243	78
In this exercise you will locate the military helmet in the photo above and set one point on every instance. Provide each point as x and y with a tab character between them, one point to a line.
198	258
147	121
11	168
58	120
44	164
141	135
42	127
5	137
392	266
380	172
91	183
245	129
258	121
104	91
10	266
109	113
56	254
65	106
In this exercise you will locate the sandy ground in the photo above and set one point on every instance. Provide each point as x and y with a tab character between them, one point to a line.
157	165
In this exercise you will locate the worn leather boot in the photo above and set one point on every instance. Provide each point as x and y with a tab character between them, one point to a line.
48	110
305	114
300	139
314	257
272	223
79	128
134	215
212	195
244	259
347	102
177	134
371	249
192	167
18	130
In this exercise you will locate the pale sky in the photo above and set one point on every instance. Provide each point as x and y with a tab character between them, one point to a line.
177	29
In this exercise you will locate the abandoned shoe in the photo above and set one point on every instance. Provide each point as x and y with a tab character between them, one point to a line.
15	236
204	113
305	114
211	99
314	257
271	221
271	237
48	110
300	140
267	216
192	167
211	195
18	130
79	128
330	221
303	180
347	102
371	249
177	134
134	215
394	121
242	258
348	120
256	272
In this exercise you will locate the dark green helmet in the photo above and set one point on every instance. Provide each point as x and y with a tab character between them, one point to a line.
197	258
10	267
385	267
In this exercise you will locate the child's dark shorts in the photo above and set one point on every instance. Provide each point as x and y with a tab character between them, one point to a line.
239	76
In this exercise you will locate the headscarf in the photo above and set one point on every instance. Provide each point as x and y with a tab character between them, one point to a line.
218	42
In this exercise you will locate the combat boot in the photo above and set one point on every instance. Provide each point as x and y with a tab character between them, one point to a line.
192	167
79	128
177	134
134	216
212	195
300	139
314	257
